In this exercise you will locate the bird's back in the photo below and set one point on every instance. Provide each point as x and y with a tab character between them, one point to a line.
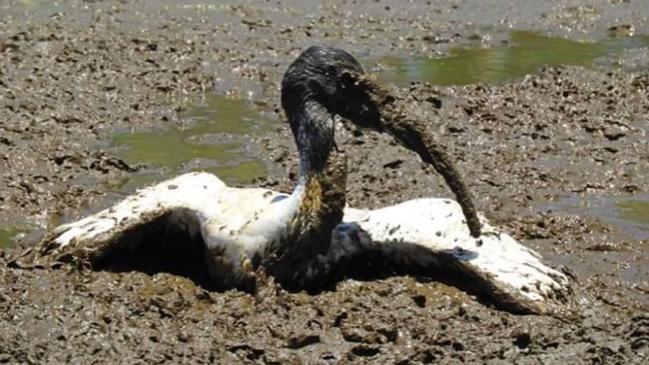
246	219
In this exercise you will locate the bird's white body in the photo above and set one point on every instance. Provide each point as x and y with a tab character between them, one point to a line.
421	232
240	222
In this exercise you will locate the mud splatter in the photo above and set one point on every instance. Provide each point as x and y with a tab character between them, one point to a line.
72	73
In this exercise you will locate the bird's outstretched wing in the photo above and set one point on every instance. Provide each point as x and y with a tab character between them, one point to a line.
418	234
187	199
432	233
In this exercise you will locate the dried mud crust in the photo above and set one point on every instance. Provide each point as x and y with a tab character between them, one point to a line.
69	79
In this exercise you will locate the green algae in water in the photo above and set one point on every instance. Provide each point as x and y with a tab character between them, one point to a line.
218	141
9	235
527	53
630	214
636	211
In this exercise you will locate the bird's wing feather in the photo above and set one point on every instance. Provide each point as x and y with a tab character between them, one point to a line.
189	196
512	274
246	220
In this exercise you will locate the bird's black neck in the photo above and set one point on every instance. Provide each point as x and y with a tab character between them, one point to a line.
323	175
313	129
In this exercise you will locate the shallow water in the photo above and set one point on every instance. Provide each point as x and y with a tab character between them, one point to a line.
10	234
629	213
218	140
525	54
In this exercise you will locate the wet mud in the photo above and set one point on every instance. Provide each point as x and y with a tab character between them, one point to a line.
74	75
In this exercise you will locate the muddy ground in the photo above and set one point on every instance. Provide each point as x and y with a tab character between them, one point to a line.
74	73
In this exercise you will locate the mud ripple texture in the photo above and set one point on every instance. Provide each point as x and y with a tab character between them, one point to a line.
73	74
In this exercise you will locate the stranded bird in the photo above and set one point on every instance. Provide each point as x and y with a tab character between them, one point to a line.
306	237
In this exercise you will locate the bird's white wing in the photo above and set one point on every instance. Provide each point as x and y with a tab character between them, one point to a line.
417	233
187	199
432	232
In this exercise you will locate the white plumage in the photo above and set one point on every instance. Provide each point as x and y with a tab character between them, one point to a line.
421	232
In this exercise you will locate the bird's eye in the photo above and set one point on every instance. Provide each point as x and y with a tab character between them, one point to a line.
346	80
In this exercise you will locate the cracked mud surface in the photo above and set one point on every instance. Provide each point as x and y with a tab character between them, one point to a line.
71	76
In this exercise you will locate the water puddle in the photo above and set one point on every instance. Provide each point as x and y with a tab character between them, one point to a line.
525	54
10	235
218	140
629	213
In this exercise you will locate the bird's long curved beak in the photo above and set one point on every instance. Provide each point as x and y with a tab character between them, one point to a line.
390	116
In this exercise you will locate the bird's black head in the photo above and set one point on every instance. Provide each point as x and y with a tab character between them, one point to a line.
329	76
326	80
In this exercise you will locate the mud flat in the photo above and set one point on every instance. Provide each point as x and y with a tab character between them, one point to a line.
74	75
